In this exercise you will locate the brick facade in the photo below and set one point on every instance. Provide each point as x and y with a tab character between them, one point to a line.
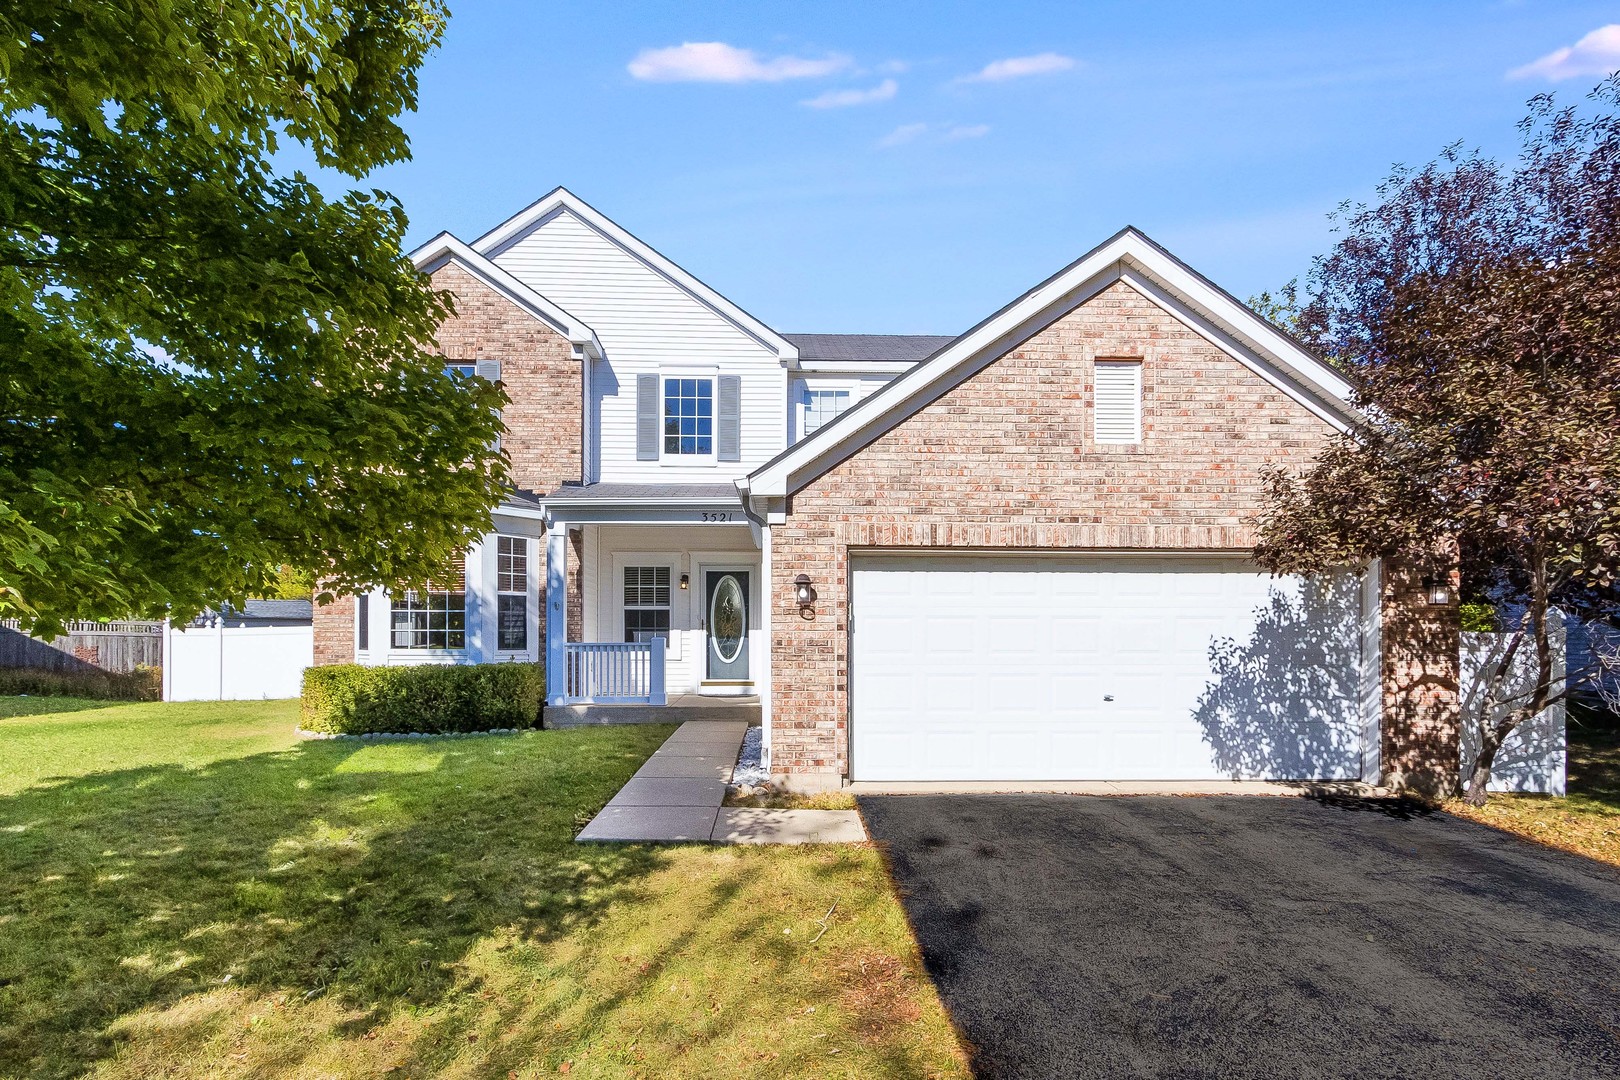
1422	704
544	421
334	631
1005	460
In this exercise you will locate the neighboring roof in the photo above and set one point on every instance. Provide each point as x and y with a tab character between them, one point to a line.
621	492
868	346
260	612
446	248
1128	256
561	199
278	609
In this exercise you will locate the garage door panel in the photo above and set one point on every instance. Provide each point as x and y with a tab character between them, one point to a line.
998	669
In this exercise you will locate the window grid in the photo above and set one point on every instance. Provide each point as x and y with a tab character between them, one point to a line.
689	417
429	620
822	407
646	602
512	564
512	585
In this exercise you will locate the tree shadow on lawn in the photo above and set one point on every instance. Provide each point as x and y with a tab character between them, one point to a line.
361	872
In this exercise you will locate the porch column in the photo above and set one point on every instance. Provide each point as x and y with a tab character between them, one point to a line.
556	612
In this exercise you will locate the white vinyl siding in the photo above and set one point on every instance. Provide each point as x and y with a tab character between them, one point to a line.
1118	401
647	324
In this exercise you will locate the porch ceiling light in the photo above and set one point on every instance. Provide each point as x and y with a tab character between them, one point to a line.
686	581
802	590
1437	590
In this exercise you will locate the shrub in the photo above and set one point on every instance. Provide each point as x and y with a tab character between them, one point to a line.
144	684
349	699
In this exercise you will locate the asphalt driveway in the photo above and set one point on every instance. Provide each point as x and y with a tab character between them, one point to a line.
1255	937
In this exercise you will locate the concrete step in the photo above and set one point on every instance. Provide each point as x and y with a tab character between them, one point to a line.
679	710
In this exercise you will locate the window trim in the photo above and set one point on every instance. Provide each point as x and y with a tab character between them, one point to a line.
527	544
665	376
624	606
807	387
430	649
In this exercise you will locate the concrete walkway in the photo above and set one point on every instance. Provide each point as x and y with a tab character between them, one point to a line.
675	797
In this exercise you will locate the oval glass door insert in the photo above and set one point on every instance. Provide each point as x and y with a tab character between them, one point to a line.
726	630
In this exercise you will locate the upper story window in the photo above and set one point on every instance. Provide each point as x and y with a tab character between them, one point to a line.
689	417
822	407
1117	401
466	371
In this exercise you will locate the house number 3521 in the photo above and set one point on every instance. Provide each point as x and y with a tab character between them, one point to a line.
716	515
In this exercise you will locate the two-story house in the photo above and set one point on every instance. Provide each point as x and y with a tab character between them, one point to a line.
1015	554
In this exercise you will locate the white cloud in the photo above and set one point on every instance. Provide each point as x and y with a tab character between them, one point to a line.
1596	54
940	133
838	99
715	61
1016	67
902	134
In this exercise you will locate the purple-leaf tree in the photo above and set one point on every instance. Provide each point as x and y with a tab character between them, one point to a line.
1476	307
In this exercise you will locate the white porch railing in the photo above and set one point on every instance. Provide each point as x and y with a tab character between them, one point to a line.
614	672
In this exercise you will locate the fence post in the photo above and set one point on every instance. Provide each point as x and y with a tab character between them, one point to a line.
655	673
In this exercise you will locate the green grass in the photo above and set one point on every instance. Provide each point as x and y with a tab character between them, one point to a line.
1587	820
187	890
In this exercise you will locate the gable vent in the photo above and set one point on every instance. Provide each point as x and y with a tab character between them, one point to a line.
1118	398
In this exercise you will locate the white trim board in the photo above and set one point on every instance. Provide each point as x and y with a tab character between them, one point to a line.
560	200
1128	256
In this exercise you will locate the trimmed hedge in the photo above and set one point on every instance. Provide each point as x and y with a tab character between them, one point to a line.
349	699
143	684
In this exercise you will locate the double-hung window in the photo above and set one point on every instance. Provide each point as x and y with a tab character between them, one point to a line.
688	417
512	593
435	618
646	603
822	407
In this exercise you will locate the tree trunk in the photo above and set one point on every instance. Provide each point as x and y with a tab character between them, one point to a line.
1479	780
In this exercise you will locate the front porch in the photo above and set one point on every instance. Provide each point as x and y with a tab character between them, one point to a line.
653	605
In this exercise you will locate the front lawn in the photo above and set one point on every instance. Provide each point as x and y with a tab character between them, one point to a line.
1586	822
187	890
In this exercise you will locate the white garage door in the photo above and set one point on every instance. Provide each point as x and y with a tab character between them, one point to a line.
1102	669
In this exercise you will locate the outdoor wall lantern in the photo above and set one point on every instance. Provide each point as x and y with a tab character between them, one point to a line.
686	582
801	588
1438	591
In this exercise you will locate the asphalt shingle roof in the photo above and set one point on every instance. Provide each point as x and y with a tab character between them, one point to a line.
908	347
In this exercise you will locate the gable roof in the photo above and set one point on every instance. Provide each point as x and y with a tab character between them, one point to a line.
868	347
561	200
446	248
1128	256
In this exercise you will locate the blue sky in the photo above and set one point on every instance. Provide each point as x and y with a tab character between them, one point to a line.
911	167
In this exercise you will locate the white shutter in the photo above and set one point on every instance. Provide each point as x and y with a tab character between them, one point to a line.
1118	401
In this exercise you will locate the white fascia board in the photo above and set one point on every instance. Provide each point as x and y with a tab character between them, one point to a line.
1252	331
446	248
1287	366
514	228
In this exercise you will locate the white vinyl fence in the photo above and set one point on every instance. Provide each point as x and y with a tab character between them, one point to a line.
235	663
1533	757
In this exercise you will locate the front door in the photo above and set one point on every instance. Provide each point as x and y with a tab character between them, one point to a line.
725	618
